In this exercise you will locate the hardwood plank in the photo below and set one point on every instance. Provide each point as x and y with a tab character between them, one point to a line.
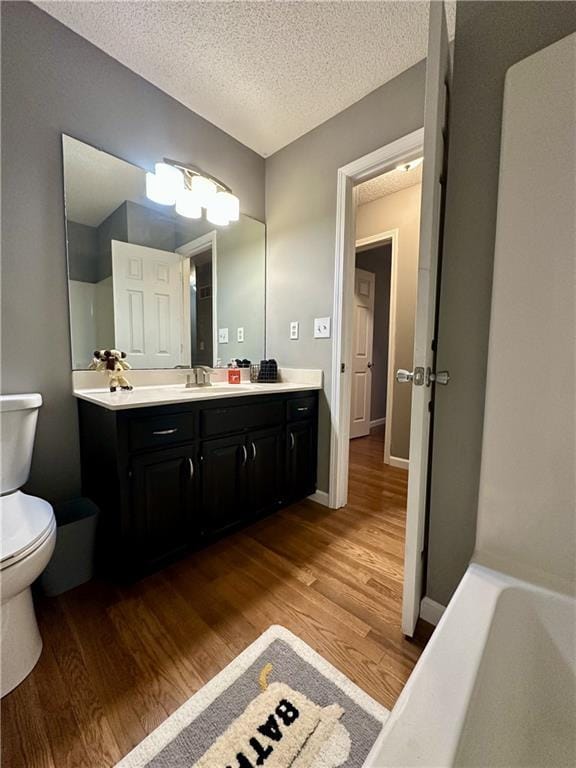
117	661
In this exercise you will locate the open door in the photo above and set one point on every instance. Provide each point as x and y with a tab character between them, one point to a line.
148	320
423	378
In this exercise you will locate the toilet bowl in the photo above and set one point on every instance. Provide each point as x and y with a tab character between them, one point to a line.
27	538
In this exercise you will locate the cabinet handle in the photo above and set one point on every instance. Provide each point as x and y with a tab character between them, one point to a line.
302	408
291	441
165	431
191	466
245	459
253	451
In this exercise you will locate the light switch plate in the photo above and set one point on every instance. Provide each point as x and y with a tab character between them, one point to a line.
240	334
322	328
223	335
294	325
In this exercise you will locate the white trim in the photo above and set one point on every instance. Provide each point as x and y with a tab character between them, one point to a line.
364	168
377	422
199	244
320	497
396	461
431	611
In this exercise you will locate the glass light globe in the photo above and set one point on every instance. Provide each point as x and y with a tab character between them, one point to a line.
204	190
187	205
217	211
230	204
164	185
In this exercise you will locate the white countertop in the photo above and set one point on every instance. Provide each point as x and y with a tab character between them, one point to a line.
170	394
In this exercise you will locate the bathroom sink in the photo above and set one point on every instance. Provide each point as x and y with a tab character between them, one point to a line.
217	388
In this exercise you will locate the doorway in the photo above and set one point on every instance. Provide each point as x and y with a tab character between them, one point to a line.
384	306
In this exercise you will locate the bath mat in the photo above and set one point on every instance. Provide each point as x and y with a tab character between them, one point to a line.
278	704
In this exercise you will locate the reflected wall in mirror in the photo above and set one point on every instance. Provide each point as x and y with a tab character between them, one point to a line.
165	289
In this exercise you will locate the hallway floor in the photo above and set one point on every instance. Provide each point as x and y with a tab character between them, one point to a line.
118	660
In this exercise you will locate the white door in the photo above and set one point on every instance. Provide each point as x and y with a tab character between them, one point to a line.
362	339
148	311
438	78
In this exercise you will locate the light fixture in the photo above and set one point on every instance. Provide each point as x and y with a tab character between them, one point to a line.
203	189
410	165
164	184
187	205
186	187
230	203
216	213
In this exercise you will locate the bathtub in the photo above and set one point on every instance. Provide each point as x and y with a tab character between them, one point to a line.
496	685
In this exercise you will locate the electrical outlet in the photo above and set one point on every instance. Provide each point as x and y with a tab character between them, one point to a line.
294	329
322	328
223	335
240	334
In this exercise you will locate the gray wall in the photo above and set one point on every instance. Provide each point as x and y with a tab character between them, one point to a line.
490	37
301	223
54	81
83	250
378	260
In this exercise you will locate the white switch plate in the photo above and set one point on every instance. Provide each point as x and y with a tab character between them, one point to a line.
240	334
223	335
322	328
294	329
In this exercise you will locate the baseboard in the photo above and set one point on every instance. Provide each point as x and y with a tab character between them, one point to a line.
395	461
431	611
320	497
377	423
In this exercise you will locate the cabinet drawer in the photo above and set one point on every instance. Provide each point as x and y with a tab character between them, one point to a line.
235	418
156	431
301	408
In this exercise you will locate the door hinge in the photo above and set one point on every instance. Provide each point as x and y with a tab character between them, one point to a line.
342	367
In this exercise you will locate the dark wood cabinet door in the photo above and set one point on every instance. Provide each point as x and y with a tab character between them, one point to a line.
164	509
223	469
265	469
300	459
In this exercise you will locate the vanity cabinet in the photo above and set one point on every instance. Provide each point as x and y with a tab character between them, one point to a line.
164	503
171	478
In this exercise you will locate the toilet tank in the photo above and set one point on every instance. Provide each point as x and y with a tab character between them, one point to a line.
18	416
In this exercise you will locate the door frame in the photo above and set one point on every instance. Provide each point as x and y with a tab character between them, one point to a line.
390	236
406	148
187	250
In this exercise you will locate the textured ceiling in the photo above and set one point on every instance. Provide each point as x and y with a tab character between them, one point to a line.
383	185
265	72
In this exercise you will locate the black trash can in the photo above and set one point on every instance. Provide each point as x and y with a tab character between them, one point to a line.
72	563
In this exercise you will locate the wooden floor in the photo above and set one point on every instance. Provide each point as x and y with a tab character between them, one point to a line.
118	661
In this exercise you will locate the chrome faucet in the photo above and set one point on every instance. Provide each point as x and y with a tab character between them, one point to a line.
199	377
202	373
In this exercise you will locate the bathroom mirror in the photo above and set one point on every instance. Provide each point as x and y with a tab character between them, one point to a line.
167	290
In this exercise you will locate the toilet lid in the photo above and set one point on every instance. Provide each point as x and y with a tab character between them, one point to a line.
24	521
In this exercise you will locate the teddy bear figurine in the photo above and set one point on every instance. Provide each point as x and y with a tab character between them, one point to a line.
114	363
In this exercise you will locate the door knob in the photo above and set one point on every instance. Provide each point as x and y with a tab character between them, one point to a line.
403	376
421	376
370	365
442	377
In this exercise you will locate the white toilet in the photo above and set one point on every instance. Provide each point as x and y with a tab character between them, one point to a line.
27	538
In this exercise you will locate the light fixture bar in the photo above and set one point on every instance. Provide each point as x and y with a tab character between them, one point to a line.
192	191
